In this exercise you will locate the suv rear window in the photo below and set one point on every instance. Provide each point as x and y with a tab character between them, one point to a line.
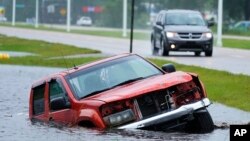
38	100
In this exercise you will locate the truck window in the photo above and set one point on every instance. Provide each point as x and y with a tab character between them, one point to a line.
56	90
38	100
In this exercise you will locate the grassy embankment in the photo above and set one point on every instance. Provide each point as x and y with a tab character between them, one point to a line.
43	52
232	43
223	87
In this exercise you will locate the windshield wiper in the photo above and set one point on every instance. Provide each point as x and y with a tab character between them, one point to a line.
95	92
128	81
125	82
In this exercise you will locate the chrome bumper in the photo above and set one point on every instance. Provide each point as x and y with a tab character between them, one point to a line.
181	111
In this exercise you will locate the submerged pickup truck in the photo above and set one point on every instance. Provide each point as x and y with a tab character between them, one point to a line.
123	91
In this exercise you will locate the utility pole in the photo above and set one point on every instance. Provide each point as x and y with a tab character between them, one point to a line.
68	15
13	12
132	26
219	26
37	13
125	11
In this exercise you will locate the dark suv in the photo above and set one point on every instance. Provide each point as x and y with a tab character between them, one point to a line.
181	30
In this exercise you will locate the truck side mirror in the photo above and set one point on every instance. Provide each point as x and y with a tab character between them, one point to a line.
168	68
59	103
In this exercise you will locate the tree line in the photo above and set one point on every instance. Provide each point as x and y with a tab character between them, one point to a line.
112	9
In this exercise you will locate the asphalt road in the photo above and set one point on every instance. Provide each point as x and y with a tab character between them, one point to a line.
231	60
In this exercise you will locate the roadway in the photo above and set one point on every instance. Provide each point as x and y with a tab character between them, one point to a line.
231	60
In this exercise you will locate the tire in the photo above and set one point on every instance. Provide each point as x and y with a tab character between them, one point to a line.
202	123
197	53
153	48
162	50
209	53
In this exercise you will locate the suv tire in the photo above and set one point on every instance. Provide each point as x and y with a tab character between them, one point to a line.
162	50
209	53
153	48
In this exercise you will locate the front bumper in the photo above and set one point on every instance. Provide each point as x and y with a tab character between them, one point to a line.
190	45
162	118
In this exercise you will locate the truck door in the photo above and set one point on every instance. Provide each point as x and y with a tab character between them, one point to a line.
57	95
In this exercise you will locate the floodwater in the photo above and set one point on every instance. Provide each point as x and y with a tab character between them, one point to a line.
15	82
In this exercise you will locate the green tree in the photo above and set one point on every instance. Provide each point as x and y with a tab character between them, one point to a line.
247	10
233	9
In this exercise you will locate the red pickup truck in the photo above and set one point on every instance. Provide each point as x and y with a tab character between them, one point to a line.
124	91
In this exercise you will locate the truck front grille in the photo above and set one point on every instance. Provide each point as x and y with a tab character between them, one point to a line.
161	101
154	103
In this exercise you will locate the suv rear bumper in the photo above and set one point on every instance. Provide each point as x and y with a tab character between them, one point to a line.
163	118
190	45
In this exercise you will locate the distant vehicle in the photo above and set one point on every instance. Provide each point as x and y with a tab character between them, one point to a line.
84	21
123	91
181	30
3	19
241	25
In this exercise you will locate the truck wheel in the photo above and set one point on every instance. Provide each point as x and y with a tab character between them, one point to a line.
153	48
202	123
162	50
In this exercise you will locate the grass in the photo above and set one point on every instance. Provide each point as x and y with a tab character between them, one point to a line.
242	44
41	48
41	61
223	87
42	52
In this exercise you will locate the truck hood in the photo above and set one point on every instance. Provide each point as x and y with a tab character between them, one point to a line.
186	28
140	87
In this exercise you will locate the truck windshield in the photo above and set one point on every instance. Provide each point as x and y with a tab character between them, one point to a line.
182	18
110	74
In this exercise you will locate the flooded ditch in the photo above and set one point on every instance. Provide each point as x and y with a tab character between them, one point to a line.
15	82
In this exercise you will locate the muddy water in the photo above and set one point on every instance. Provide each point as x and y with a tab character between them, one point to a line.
15	82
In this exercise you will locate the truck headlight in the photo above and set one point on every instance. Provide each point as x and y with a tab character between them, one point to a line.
170	34
119	118
208	35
